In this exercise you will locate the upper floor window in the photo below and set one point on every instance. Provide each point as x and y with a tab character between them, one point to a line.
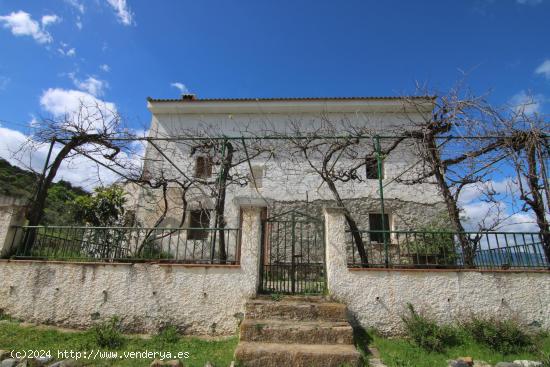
372	169
256	176
203	167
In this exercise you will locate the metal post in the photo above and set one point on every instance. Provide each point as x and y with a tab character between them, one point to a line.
381	191
293	265
28	239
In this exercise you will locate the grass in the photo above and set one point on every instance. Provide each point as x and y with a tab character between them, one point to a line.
15	336
402	353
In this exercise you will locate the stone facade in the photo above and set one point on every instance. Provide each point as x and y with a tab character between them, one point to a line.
378	298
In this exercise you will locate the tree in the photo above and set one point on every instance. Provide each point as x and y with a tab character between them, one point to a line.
337	152
105	208
528	153
91	131
457	152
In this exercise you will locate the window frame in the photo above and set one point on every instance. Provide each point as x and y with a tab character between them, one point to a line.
195	232
373	162
206	170
378	237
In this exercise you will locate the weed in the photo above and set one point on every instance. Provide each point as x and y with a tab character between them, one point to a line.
427	334
108	333
276	296
503	336
168	335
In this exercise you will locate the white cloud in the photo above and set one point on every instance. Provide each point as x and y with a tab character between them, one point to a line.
66	102
123	13
50	19
91	85
78	23
65	50
524	102
77	5
182	88
529	2
21	23
544	69
106	68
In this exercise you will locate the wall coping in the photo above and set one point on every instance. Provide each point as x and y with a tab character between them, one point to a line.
393	270
95	263
10	201
333	209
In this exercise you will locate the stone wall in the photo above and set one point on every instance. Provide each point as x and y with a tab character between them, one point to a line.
12	213
378	298
197	299
201	299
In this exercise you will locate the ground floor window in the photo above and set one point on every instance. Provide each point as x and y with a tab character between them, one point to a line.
198	219
376	224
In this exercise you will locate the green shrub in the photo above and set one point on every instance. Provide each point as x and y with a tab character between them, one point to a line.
108	334
427	334
504	336
168	335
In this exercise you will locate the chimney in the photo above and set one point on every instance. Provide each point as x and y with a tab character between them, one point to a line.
188	97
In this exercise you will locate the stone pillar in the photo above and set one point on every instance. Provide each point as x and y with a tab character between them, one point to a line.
250	246
12	213
335	247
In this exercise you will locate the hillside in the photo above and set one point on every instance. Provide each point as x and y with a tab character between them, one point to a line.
21	183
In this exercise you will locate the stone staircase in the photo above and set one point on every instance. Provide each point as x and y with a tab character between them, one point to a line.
296	331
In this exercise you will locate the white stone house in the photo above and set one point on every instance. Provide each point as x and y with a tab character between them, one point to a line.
274	182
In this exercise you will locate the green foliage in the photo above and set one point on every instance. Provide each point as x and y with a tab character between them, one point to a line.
153	250
277	296
397	352
168	335
427	334
434	240
19	183
102	209
108	334
19	337
501	335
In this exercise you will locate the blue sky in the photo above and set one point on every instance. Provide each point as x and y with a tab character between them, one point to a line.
56	52
123	51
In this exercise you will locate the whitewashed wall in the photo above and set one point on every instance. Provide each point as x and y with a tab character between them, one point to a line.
197	299
378	298
12	213
283	180
210	299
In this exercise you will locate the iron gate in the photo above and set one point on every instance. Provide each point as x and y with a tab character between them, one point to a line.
293	254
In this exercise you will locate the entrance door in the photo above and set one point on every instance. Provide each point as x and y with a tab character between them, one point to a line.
293	254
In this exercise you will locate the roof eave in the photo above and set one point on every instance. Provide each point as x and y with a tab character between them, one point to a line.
297	105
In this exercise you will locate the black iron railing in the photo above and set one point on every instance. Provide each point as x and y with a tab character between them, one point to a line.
436	249
131	244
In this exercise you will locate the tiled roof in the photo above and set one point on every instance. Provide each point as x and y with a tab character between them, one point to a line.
189	98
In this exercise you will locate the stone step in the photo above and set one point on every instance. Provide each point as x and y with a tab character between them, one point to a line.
295	298
297	355
261	309
300	332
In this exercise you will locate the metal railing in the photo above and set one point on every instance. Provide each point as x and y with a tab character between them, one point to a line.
435	249
127	244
